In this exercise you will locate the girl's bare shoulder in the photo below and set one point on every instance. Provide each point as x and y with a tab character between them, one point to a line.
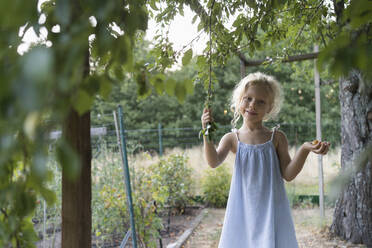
230	140
280	138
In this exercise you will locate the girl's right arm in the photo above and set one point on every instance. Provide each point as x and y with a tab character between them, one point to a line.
215	156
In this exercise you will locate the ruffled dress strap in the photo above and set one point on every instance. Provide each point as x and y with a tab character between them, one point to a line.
274	129
236	131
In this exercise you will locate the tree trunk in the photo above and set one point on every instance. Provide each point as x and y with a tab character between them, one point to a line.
76	195
353	211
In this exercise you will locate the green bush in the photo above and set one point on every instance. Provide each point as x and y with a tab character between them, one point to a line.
110	210
173	175
216	185
148	223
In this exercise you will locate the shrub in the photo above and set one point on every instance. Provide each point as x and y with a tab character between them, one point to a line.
292	197
110	209
148	223
216	185
173	175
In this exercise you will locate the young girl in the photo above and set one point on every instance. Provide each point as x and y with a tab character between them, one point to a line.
258	213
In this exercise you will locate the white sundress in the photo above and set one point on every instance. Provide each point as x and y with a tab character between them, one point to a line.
257	213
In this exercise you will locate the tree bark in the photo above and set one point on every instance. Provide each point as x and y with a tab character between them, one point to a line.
76	195
353	211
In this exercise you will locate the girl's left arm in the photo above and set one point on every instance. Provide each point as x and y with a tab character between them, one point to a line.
291	167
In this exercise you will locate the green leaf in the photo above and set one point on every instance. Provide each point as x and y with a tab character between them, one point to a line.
91	84
153	5
38	166
187	57
181	10
200	26
158	83
82	101
124	50
238	21
201	61
264	25
143	88
68	160
47	7
24	201
38	64
105	87
48	195
194	19
180	91
257	44
170	86
116	71
252	4
189	86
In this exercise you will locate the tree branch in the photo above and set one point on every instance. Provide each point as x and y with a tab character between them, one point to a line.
203	15
303	26
199	10
291	58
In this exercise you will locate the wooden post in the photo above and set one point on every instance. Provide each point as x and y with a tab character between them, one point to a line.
319	133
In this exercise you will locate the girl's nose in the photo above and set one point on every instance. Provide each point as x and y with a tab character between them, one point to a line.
252	104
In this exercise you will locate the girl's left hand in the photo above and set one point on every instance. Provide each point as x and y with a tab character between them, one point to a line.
321	147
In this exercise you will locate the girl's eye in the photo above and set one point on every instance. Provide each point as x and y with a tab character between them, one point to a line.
261	102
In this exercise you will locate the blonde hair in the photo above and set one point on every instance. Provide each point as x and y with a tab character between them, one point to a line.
274	92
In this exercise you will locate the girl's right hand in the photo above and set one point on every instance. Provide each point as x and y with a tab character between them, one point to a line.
206	117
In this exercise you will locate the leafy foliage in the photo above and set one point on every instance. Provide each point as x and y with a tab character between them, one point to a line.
110	208
216	185
38	88
342	27
153	188
174	176
298	109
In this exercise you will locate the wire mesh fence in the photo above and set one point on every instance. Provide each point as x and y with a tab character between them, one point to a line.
158	139
106	156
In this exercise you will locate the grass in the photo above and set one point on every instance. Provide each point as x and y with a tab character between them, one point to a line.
306	183
302	189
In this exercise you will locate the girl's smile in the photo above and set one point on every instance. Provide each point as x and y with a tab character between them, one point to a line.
255	102
251	112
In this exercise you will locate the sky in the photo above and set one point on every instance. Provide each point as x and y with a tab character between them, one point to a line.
181	33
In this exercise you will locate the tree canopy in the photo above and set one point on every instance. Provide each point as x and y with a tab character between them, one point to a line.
97	38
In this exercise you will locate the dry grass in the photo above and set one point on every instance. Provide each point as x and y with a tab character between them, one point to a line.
331	165
307	178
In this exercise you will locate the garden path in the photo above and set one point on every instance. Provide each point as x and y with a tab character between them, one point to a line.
310	230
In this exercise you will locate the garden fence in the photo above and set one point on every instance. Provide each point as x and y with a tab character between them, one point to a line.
158	139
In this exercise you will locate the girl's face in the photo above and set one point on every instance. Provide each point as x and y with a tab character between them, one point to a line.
255	103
